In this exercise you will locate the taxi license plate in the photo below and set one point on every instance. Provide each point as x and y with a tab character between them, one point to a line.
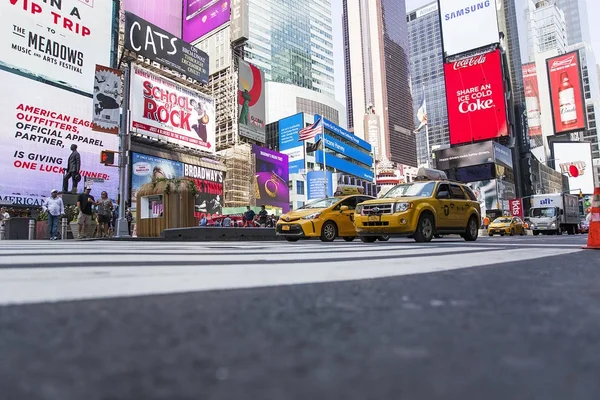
374	218
285	228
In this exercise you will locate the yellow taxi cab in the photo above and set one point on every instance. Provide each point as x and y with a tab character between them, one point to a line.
431	205
507	226
327	219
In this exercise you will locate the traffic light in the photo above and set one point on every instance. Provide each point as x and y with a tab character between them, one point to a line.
107	157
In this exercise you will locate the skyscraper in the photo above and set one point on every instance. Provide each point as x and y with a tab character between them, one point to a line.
546	28
576	18
427	76
377	72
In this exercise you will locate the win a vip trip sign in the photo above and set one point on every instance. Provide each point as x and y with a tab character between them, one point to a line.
165	110
58	40
475	95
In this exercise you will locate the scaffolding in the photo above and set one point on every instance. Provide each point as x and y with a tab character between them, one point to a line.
238	188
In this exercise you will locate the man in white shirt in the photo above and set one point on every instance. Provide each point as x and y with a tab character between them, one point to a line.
55	208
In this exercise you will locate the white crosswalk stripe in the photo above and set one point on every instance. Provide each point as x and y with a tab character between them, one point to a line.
54	271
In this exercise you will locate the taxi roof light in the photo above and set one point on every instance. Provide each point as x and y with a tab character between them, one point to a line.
430	174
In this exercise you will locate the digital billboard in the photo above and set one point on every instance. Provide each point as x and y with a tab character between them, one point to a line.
166	14
347	150
289	143
251	101
165	110
203	16
146	169
532	99
40	123
108	93
566	93
59	41
574	159
272	177
344	166
319	185
468	25
209	183
475	98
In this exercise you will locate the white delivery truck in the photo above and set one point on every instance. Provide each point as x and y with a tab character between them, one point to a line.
553	214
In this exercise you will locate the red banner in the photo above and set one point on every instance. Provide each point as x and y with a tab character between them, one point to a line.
566	93
516	207
475	97
532	99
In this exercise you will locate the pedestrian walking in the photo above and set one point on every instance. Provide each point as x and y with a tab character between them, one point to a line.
85	202
55	208
105	208
249	217
263	216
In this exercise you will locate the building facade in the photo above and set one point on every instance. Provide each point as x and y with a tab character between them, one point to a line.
576	18
546	28
376	56
427	77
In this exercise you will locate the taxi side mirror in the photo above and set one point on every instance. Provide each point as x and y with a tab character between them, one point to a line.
344	208
443	195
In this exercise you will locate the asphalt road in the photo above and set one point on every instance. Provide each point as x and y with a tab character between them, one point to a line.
504	318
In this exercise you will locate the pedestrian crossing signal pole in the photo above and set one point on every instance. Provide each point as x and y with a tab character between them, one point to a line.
122	226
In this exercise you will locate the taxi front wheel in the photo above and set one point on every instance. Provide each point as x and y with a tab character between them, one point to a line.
328	232
425	229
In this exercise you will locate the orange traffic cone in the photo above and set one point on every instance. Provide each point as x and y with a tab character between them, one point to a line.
594	235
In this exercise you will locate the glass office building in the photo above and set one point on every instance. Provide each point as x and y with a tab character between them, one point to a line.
427	74
576	17
292	41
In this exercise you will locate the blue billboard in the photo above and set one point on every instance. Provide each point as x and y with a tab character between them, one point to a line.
288	141
315	183
337	130
344	166
348	151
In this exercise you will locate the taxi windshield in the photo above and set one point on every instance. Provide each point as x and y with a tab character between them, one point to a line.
323	203
503	221
415	189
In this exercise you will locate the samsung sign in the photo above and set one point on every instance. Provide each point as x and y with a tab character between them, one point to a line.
468	25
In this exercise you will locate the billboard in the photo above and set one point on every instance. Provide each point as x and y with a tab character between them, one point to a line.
516	207
40	123
316	183
465	156
203	16
146	169
532	99
468	25
289	143
166	14
240	21
566	93
475	98
59	41
347	150
108	92
344	166
149	41
272	177
574	159
251	101
165	110
209	182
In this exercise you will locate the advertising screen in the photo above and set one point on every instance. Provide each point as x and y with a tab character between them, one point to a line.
532	99
475	98
203	16
108	92
165	110
251	101
209	182
516	207
166	14
146	169
288	141
574	159
464	156
316	182
344	166
40	123
272	177
468	25
59	41
348	151
566	93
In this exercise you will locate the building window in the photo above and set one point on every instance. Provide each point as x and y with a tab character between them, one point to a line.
299	187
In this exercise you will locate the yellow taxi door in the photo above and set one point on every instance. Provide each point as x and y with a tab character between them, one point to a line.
459	208
442	208
344	219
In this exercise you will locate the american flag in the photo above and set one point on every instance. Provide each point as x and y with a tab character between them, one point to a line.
311	131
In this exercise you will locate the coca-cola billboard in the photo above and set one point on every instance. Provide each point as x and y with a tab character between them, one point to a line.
475	97
516	207
566	93
532	99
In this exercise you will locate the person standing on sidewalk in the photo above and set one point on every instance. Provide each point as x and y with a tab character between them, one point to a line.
85	201
55	207
105	208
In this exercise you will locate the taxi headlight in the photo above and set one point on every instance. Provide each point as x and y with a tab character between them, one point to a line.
401	207
358	209
313	216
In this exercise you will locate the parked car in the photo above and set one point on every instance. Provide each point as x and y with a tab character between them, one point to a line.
584	226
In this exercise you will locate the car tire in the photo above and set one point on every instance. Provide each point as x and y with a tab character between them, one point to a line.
329	231
490	234
425	229
512	231
472	232
349	238
368	239
536	233
523	232
384	238
291	239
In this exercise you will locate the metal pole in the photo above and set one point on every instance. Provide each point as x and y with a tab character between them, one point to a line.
63	228
31	229
2	230
122	230
429	163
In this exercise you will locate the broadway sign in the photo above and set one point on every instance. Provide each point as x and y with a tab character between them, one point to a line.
475	97
60	41
148	40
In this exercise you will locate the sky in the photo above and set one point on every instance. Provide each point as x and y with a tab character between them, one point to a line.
338	46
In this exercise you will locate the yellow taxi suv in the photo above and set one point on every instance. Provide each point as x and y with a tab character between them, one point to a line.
507	226
430	206
326	219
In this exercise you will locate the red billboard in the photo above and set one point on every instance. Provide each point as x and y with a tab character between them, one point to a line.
566	93
475	97
516	207
532	99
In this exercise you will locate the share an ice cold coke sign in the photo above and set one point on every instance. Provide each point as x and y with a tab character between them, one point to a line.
476	98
